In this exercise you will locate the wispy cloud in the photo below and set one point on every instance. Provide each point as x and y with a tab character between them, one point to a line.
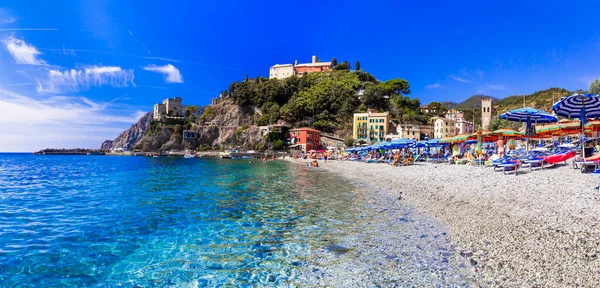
58	121
22	52
6	17
136	40
434	86
66	51
28	29
79	80
459	79
170	72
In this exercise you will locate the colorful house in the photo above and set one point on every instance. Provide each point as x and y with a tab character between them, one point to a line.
305	139
370	126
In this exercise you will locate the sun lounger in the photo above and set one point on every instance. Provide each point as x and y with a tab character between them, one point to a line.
558	158
534	163
509	167
586	166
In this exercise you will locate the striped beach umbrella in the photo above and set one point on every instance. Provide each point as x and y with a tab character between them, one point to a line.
578	106
530	115
507	133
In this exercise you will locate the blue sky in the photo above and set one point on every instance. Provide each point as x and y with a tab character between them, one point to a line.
74	73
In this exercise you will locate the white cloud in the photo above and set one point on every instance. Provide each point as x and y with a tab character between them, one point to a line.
6	17
28	124
79	80
459	79
171	73
434	86
22	52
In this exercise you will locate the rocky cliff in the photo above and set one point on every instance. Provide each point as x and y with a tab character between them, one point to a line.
131	136
224	125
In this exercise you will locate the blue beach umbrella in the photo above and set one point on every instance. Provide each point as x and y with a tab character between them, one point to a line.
578	106
529	115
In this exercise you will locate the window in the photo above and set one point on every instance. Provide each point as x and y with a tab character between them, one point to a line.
381	127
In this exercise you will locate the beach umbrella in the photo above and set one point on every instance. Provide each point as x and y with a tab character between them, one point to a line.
507	133
403	142
578	106
529	115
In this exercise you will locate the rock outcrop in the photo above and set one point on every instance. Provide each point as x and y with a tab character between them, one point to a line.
107	145
131	136
226	126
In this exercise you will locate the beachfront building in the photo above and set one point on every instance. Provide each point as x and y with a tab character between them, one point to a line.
370	127
304	139
462	125
170	108
486	112
408	130
443	127
281	71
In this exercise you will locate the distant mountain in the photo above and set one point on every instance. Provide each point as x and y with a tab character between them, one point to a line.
473	102
543	100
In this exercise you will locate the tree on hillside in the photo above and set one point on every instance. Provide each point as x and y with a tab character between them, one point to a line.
190	111
342	66
333	62
357	66
594	86
397	86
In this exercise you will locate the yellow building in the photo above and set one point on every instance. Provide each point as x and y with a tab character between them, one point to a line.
370	126
443	127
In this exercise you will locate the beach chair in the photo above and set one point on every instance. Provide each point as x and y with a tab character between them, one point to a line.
510	167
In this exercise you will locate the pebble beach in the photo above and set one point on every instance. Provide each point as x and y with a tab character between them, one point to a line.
536	229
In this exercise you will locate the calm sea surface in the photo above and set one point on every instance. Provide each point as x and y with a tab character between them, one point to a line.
139	221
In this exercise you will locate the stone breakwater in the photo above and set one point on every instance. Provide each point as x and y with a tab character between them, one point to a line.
537	229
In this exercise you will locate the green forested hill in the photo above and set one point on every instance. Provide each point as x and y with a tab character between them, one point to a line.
325	101
541	100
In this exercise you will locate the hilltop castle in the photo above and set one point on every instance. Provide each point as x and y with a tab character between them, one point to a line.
170	107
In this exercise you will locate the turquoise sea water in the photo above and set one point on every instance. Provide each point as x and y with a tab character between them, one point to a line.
139	221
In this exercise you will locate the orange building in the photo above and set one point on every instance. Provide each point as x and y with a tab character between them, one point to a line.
314	66
305	139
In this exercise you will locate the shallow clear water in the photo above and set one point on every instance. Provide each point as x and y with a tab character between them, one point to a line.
138	221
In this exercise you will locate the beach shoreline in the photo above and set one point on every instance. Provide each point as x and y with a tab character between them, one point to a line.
527	230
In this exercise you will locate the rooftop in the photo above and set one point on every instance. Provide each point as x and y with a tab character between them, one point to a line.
282	65
304	129
318	64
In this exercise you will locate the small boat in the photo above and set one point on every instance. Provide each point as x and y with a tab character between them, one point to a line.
188	156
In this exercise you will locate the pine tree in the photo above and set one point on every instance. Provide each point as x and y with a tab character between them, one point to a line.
357	65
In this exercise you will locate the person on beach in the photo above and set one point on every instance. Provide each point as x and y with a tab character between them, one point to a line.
500	147
396	159
325	158
409	158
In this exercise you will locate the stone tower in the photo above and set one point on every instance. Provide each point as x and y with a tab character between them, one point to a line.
486	112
